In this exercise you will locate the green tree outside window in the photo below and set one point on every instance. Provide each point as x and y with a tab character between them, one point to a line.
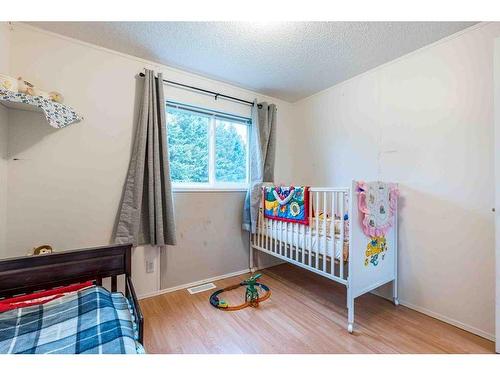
189	145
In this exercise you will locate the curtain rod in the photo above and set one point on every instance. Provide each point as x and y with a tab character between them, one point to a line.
215	94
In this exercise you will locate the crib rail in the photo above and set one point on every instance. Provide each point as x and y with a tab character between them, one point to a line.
321	246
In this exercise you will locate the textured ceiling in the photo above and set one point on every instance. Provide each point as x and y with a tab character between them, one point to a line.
287	60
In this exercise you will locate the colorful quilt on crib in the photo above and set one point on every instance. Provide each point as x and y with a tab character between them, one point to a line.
287	203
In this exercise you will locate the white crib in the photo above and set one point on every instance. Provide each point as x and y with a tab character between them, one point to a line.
330	246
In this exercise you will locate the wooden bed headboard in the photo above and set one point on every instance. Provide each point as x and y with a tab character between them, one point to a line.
32	273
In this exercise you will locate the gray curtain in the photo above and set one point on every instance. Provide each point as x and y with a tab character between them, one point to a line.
146	215
262	150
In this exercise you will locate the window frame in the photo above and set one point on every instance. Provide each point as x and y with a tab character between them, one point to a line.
212	185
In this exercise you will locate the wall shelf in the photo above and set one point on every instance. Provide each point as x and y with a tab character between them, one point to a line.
58	115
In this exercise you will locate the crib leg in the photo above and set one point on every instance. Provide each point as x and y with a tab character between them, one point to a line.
395	292
350	311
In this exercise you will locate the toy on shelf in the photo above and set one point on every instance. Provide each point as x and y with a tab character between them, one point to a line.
28	88
252	297
55	97
20	85
8	83
25	87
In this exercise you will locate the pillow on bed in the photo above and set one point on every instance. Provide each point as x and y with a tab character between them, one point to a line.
39	298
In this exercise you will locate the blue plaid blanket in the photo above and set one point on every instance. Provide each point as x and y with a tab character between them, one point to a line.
92	320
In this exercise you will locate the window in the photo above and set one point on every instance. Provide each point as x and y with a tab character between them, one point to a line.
207	149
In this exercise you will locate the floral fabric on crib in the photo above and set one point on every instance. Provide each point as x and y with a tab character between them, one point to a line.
287	203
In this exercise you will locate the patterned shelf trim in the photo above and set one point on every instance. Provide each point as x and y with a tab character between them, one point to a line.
58	115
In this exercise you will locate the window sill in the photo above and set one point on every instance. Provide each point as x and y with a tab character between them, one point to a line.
207	190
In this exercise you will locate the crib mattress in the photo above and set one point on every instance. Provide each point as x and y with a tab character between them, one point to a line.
298	237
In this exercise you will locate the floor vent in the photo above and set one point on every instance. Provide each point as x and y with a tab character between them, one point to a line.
201	288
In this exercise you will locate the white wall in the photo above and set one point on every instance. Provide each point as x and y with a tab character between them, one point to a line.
67	186
426	121
497	190
4	117
3	178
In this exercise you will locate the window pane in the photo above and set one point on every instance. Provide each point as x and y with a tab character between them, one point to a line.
230	151
188	145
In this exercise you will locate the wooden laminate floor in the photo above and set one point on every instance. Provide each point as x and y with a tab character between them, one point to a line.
305	314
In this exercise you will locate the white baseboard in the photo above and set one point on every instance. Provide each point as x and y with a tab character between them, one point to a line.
264	266
194	283
199	282
448	320
441	317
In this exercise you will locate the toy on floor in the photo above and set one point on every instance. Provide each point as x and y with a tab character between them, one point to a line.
252	297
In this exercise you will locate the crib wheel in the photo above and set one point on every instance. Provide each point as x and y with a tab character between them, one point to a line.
350	328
